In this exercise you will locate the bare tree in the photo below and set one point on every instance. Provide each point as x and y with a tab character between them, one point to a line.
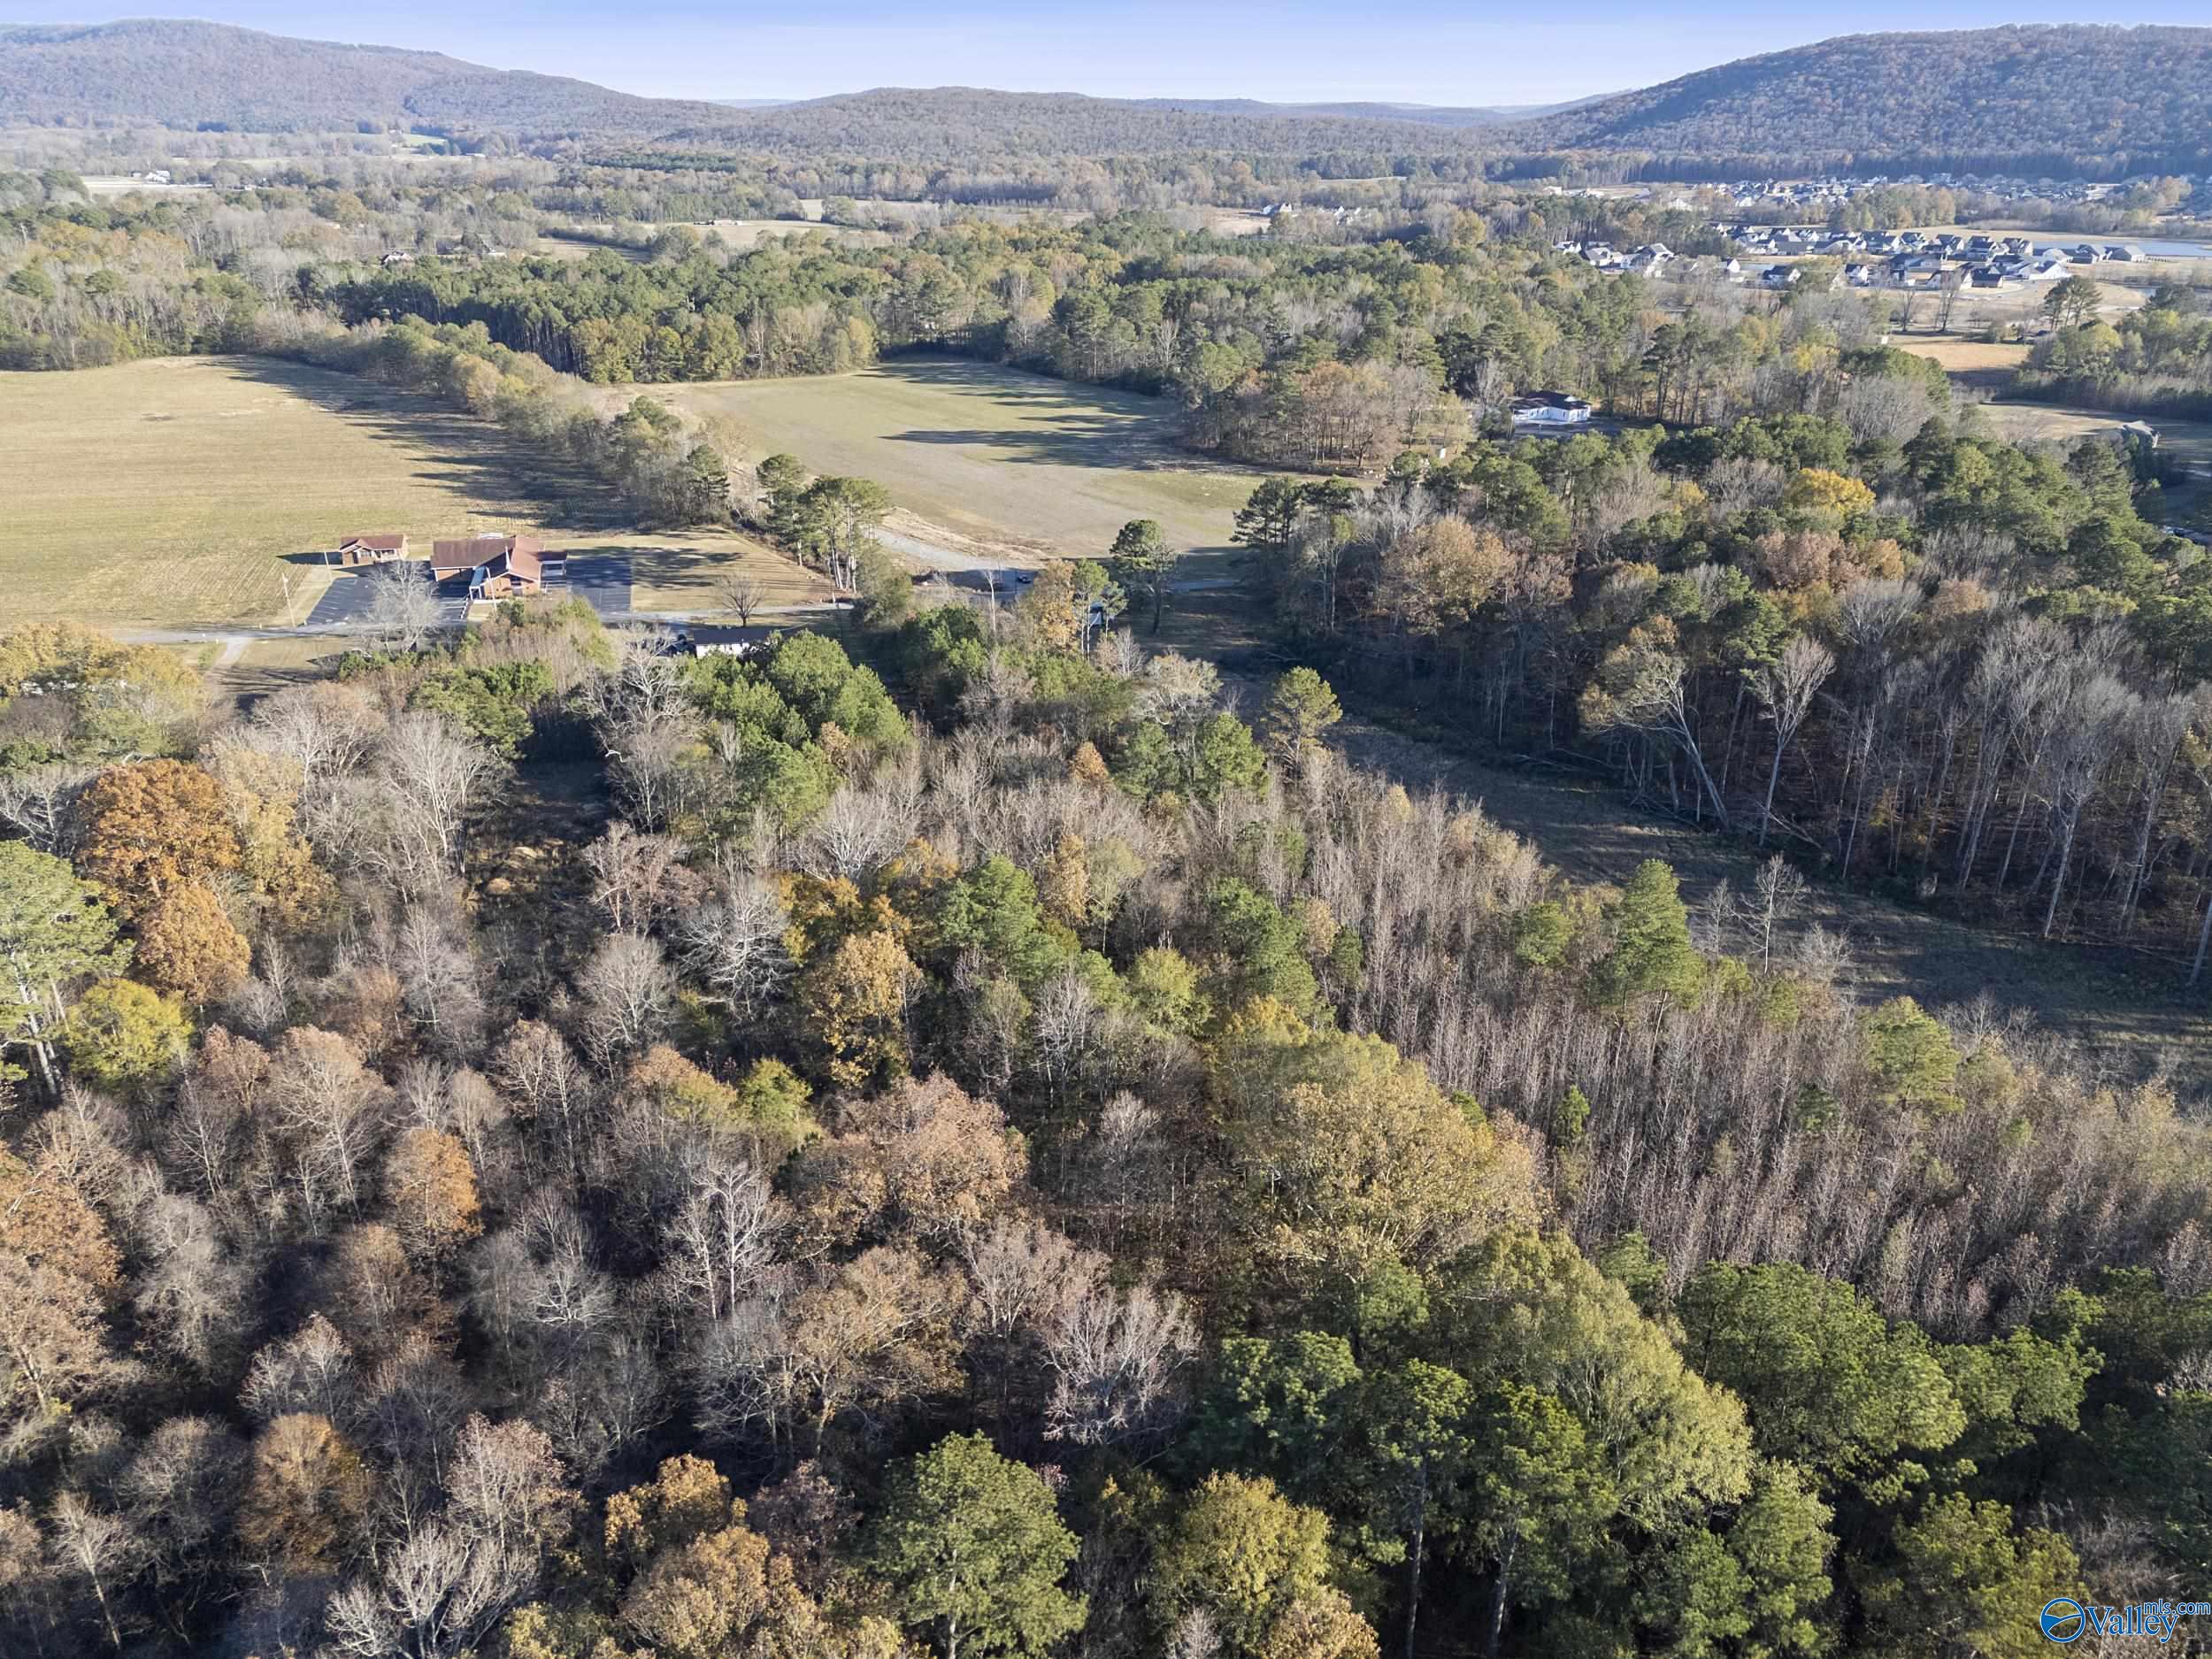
627	988
39	803
404	604
1784	689
1777	893
410	822
1114	1356
858	832
632	873
328	729
741	596
1949	286
313	1371
719	1248
2154	740
435	1597
2097	712
735	941
96	1547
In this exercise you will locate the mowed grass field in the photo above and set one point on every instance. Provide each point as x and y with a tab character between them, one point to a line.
1019	464
181	493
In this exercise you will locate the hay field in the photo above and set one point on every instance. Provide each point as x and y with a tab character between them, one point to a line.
1020	466
1977	361
180	490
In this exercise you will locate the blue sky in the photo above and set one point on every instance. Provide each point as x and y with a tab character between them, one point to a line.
1424	52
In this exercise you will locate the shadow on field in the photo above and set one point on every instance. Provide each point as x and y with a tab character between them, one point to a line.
464	453
1064	423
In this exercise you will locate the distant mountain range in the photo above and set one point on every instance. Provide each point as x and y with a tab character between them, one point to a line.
2040	99
190	74
2007	98
1424	114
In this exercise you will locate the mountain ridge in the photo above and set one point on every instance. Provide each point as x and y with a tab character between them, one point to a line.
2067	98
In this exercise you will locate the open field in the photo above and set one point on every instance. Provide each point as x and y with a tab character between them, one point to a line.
1020	466
183	492
740	235
684	570
1974	362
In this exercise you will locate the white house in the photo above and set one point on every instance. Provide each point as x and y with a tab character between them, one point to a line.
1550	408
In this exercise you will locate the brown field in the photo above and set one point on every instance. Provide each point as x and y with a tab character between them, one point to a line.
1976	361
683	571
184	491
744	234
1013	466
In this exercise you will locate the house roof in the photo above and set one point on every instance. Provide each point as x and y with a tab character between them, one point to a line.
520	561
482	549
378	544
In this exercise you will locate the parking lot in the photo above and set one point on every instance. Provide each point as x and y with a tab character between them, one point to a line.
600	579
346	601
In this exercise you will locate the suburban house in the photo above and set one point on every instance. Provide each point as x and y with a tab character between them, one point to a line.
718	640
1550	408
1778	276
372	549
398	256
497	567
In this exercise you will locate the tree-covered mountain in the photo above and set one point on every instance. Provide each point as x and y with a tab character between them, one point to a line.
949	122
183	74
2060	100
2020	100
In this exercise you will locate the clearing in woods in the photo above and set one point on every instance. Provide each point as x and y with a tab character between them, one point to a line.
1018	465
182	491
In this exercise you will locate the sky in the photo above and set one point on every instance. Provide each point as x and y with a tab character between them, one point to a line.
1417	52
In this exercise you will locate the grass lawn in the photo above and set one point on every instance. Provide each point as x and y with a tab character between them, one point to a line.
1021	465
1976	362
182	491
684	570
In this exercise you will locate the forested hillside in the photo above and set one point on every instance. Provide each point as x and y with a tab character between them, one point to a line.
958	123
2025	101
194	74
1036	1166
2062	100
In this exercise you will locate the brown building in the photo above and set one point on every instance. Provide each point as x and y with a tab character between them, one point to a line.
372	549
496	566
